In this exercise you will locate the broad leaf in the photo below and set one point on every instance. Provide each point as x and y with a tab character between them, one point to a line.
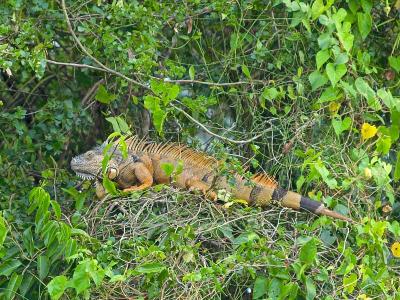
8	266
57	286
260	287
12	286
365	90
308	252
317	80
103	96
191	72
3	231
150	268
322	57
246	71
335	73
394	62
43	266
364	21
340	125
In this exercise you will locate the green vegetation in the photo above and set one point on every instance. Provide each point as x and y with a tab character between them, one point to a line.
307	90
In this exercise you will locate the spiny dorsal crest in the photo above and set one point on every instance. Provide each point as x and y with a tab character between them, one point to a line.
172	150
188	155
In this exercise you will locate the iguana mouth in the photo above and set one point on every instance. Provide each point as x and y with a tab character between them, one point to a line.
85	176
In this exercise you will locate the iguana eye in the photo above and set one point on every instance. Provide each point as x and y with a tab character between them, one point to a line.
89	155
112	173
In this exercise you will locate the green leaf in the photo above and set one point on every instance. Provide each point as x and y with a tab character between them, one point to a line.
152	103
367	92
270	93
335	73
57	286
109	186
396	175
383	144
43	266
325	174
27	282
394	62
103	96
350	282
340	125
27	240
364	24
317	9
149	268
310	288
330	94
246	71
191	72
123	126
12	286
322	57
387	99
325	40
173	92
341	58
159	117
245	237
56	208
260	287
308	252
81	279
366	5
317	80
118	124
8	266
3	231
168	168
275	290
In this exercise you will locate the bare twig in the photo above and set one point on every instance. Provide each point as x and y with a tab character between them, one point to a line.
214	134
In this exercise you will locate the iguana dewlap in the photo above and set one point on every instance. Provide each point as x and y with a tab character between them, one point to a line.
143	167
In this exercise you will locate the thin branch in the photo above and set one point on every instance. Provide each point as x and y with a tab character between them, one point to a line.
189	81
91	56
212	133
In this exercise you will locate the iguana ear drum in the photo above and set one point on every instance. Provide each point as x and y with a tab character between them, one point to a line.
112	173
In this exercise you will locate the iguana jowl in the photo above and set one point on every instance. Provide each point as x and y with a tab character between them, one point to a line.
143	167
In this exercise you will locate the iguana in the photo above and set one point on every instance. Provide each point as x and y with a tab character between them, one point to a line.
144	164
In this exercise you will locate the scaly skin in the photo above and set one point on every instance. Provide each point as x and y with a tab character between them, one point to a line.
143	168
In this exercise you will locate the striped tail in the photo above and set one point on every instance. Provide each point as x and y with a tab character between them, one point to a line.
262	195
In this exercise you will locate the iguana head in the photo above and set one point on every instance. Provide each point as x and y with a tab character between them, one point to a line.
89	164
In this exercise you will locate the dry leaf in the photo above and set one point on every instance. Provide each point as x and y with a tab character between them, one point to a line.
387	209
389	75
189	24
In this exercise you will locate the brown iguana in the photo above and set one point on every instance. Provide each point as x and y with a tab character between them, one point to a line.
143	167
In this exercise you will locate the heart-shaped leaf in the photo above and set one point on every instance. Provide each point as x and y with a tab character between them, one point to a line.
335	73
340	125
364	21
317	80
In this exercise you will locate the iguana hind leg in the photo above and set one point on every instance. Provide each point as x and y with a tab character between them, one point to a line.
194	184
144	177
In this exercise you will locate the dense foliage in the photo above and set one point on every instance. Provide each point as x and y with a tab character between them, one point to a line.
307	90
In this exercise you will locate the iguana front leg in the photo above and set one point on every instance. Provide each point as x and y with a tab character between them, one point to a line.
143	175
195	184
100	190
